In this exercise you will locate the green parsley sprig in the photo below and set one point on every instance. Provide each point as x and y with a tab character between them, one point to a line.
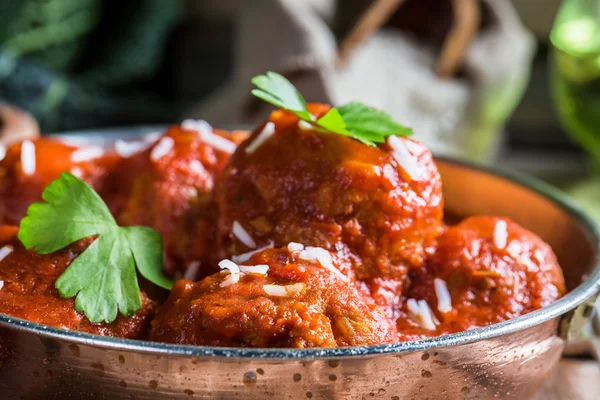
103	277
355	119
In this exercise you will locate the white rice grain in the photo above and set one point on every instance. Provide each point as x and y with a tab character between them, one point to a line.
6	250
284	291
421	314
240	258
230	280
230	266
304	125
208	136
242	235
127	149
260	269
323	257
428	320
406	160
87	154
234	273
500	234
443	295
294	247
263	136
192	271
162	148
219	143
28	157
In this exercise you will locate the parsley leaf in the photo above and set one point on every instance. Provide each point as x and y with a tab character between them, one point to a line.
356	120
72	211
364	121
333	122
103	277
147	254
275	89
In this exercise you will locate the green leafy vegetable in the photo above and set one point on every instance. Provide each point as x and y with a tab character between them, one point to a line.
103	277
333	122
355	119
362	120
275	89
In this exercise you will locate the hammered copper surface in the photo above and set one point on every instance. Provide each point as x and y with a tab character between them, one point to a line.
511	366
509	360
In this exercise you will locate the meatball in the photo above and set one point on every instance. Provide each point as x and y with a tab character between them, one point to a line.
379	208
283	300
27	290
485	270
169	187
29	167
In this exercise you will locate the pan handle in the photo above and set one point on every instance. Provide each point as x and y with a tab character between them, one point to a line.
595	337
16	125
581	330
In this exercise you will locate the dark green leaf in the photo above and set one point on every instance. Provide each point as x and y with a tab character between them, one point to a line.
73	211
103	276
104	280
146	246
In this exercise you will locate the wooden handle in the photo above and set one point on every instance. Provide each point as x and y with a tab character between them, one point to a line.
373	18
16	125
466	19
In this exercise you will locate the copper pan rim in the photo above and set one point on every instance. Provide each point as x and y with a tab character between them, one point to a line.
583	292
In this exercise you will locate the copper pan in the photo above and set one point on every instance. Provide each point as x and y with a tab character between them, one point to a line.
510	360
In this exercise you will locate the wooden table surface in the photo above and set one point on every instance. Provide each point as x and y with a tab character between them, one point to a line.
572	380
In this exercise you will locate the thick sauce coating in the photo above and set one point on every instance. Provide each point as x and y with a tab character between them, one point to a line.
324	311
377	213
28	291
494	270
20	187
334	192
170	190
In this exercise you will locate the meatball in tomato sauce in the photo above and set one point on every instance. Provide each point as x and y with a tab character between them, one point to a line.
28	167
27	290
379	208
169	187
485	270
277	298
